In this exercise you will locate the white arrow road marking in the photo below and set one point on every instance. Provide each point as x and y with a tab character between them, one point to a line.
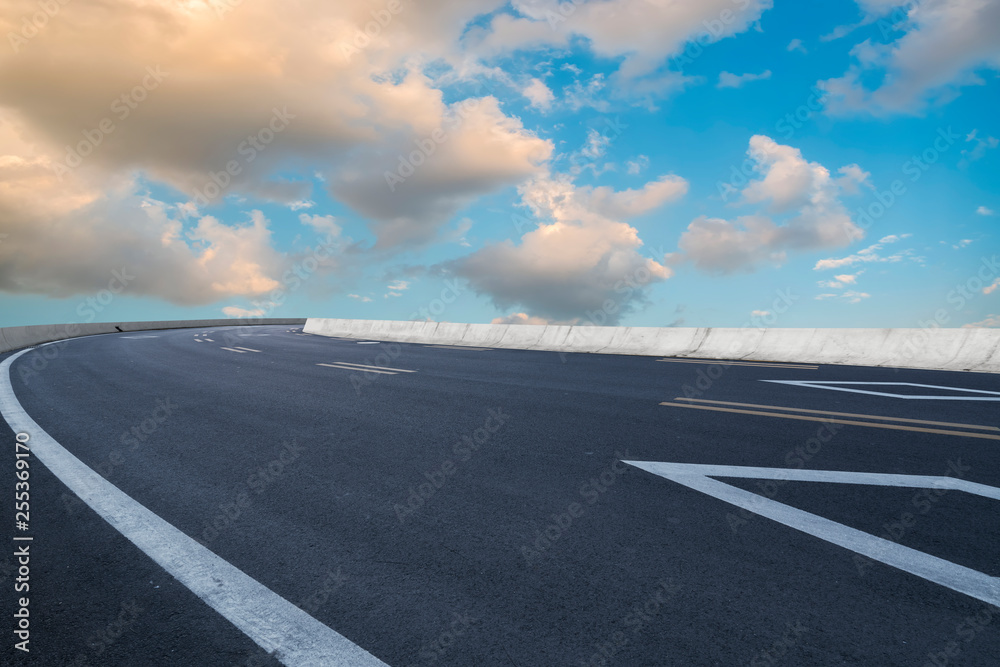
273	623
956	577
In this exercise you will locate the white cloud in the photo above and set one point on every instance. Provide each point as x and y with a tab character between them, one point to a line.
644	34
855	297
324	224
729	80
631	203
867	255
480	150
964	243
760	313
69	236
362	299
991	321
637	165
274	71
597	144
396	288
852	177
538	94
982	210
979	148
581	95
236	311
520	318
989	289
796	45
945	43
841	281
791	186
723	246
850	297
582	261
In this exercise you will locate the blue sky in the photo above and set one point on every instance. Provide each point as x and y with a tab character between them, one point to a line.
710	163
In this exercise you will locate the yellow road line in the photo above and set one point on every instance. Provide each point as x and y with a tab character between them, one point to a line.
830	420
764	364
840	414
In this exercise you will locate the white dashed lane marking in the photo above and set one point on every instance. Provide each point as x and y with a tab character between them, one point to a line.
376	368
353	368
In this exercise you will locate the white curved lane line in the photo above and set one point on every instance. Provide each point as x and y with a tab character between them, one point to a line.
276	625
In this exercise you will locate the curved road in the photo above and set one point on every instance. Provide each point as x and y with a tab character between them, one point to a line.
446	506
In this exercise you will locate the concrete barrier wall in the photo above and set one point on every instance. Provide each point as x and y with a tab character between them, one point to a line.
15	338
942	349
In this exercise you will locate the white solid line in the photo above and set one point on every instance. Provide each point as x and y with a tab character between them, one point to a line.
294	637
248	349
368	342
355	368
380	368
994	396
956	577
232	350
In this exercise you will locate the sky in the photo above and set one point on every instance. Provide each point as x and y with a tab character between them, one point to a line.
709	163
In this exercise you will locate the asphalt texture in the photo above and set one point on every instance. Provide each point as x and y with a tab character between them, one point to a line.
476	511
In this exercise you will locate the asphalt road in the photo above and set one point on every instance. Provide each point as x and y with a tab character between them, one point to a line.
476	510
